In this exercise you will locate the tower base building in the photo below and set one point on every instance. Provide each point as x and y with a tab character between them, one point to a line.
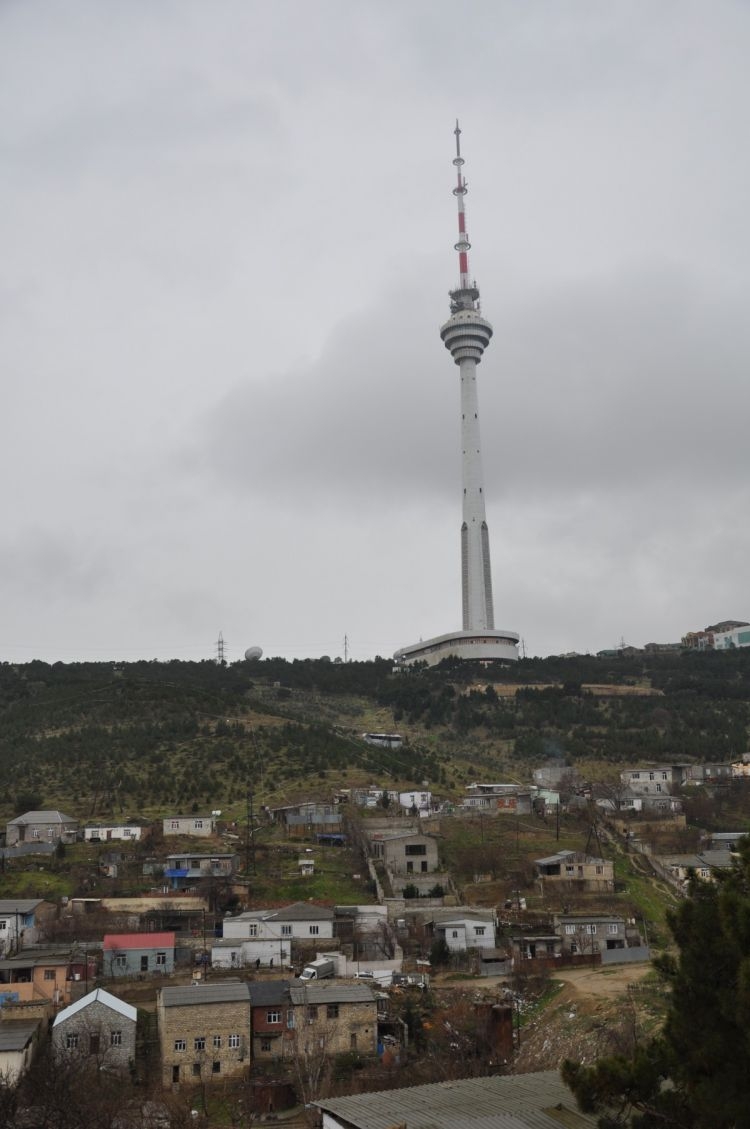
466	335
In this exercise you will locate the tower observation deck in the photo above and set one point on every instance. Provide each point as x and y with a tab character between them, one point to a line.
466	335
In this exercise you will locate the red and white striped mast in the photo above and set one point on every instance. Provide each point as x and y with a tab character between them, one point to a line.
467	294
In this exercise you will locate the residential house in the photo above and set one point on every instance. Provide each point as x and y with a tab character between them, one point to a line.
22	922
204	1031
104	832
265	937
524	1101
100	1025
308	819
136	954
49	826
679	868
44	975
655	779
711	773
272	1018
498	799
405	852
594	933
416	800
195	825
580	871
19	1039
726	840
537	945
185	869
334	1016
466	931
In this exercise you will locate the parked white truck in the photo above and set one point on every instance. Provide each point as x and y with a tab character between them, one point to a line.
318	969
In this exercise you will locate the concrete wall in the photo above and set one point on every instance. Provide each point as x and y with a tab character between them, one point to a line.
626	956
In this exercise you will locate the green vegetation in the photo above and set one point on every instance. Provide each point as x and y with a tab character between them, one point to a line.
694	1074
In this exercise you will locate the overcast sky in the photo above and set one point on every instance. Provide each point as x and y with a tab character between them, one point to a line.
226	244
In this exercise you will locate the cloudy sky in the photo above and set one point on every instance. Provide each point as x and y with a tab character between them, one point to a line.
226	243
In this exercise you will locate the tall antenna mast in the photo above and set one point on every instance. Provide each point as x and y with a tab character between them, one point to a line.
220	650
463	246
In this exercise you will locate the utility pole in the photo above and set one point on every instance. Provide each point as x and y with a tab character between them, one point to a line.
250	846
346	648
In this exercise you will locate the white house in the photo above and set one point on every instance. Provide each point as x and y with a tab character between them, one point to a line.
104	832
18	1041
264	937
416	798
466	932
20	920
200	825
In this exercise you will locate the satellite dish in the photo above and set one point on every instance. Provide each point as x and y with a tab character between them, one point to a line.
253	653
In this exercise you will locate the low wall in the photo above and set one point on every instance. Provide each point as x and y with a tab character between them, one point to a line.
636	955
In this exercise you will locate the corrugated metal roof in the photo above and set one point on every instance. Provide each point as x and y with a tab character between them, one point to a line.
42	817
97	996
138	941
228	991
330	992
263	993
16	1033
19	905
522	1101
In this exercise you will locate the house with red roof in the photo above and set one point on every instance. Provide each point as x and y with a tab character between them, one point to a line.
138	954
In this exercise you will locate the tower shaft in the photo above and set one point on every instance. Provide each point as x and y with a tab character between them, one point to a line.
476	575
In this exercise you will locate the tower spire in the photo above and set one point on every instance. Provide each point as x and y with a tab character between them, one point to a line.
466	294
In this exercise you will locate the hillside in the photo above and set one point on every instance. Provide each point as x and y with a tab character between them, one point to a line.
147	737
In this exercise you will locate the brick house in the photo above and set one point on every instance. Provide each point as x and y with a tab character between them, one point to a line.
272	1018
100	1025
204	1031
134	954
334	1016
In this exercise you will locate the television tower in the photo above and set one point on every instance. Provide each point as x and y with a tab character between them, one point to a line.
466	335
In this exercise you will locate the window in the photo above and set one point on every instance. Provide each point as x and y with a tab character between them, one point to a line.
290	1019
415	849
570	869
286	930
591	930
121	961
180	1044
704	872
217	1042
312	1013
175	825
664	776
71	1042
651	776
314	930
570	929
252	930
635	775
234	1042
161	960
35	833
613	928
273	1017
479	931
332	1011
658	787
454	933
49	974
3	924
600	870
198	824
199	1043
144	963
94	1044
196	1069
266	1044
115	1038
216	1068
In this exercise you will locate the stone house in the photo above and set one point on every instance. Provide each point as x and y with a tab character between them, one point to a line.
204	1031
36	826
577	871
334	1017
136	954
99	1025
197	825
